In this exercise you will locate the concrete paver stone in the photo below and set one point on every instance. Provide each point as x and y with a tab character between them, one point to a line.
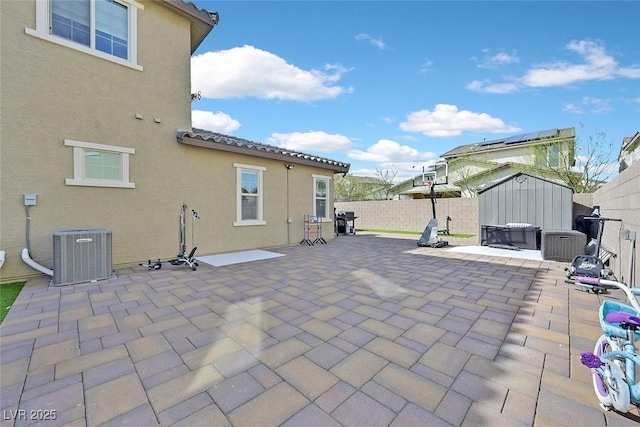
367	330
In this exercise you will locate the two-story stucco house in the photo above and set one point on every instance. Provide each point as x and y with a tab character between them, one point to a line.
467	169
629	151
95	120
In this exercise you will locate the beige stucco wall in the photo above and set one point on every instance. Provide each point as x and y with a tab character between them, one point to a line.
51	93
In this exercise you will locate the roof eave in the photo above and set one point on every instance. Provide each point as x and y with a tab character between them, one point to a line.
202	21
199	142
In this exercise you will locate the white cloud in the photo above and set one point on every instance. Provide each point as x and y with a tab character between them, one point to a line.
387	152
597	105
598	65
488	87
495	60
312	141
425	67
377	42
630	72
215	122
251	72
446	120
572	108
593	105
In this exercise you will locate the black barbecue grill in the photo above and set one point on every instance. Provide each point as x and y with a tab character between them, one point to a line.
346	223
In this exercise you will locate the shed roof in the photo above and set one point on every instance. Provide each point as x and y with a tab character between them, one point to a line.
515	175
217	141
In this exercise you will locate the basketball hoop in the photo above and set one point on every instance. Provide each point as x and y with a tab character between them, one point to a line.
424	180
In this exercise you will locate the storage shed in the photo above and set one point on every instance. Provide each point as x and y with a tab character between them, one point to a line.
528	199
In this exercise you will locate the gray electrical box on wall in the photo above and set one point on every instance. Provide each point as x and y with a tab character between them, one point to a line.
29	199
81	256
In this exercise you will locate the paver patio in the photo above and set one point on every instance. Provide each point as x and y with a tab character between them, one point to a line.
366	330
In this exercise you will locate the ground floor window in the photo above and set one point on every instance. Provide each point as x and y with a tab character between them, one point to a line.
99	165
249	193
321	196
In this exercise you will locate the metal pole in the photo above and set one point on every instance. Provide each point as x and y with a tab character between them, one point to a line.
433	199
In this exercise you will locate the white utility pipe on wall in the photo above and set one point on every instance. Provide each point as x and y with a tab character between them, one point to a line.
27	259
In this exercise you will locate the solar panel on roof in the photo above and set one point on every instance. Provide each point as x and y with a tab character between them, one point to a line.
548	132
515	138
493	141
531	135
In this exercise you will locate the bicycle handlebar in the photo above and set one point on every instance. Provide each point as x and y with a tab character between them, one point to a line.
630	293
601	218
588	280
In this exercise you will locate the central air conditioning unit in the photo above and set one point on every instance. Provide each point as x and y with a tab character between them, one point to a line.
81	256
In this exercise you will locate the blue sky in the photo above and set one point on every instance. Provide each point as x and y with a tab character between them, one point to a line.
391	85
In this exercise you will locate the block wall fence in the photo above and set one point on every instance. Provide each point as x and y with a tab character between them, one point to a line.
413	215
619	198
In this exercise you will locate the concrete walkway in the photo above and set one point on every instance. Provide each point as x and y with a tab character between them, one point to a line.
363	331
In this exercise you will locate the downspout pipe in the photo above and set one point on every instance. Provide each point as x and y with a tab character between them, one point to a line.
2	257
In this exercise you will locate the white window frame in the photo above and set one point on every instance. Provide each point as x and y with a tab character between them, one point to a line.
260	203
79	177
326	178
42	31
550	154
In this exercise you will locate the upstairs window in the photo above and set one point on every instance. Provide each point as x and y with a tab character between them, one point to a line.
100	165
104	28
71	20
553	156
548	156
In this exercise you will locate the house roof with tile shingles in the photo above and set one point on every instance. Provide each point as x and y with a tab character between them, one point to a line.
217	141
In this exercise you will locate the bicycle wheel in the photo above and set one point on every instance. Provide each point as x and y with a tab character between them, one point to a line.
602	347
610	387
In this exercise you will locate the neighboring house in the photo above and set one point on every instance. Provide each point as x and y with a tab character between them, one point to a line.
96	123
629	151
475	166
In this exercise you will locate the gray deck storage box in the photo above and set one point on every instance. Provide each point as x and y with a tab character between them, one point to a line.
562	245
81	256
